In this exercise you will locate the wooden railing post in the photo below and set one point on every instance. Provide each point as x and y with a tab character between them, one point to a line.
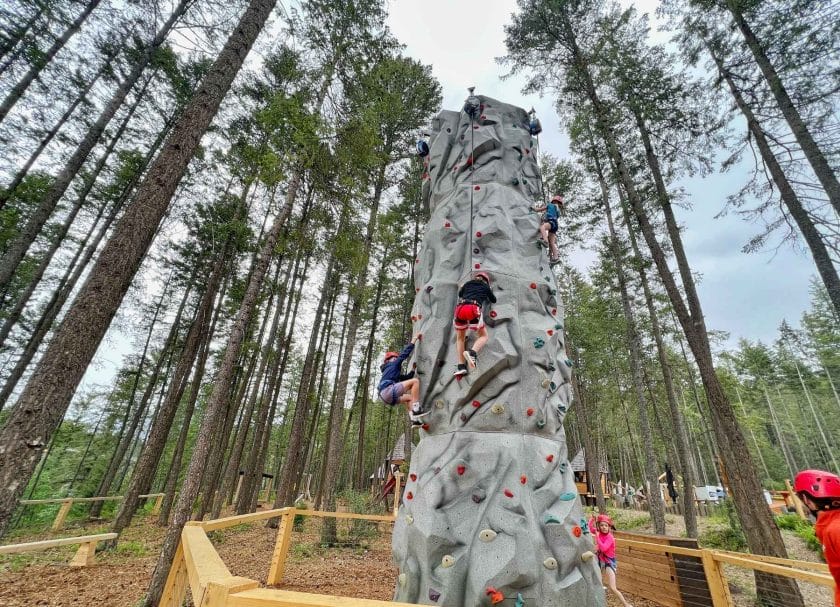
718	586
281	547
158	504
84	556
797	503
397	494
58	523
175	589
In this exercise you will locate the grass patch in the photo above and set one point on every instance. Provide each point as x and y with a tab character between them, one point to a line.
132	548
800	528
725	532
303	551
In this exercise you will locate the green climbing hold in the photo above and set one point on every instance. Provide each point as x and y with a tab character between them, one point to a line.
561	408
584	526
567	497
540	423
552	386
515	181
558	326
539	342
569	363
520	602
550	518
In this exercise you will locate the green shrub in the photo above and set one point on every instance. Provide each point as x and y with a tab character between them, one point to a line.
801	528
726	534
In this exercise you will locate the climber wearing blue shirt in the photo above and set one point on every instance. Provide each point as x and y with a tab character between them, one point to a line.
396	387
548	225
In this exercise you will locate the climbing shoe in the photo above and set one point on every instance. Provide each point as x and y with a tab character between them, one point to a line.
416	423
543	242
460	371
472	358
417	412
553	261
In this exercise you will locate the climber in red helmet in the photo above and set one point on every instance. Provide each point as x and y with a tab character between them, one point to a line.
601	528
396	387
471	299
820	492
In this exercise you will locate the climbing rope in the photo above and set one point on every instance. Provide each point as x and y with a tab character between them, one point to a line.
472	107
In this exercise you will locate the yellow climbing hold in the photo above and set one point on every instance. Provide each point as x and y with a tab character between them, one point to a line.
487	535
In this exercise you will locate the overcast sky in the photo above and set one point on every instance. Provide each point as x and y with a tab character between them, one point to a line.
744	295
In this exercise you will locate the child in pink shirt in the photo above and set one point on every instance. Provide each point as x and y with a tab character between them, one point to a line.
601	528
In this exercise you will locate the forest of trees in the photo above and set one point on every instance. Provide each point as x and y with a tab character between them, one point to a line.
234	231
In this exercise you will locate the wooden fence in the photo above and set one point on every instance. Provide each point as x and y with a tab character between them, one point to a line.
67	503
84	556
671	572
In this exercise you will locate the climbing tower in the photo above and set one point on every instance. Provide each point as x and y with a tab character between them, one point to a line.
490	511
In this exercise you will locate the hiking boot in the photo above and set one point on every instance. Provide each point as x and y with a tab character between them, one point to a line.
460	371
472	358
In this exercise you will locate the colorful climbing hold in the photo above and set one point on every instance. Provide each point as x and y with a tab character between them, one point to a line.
409	520
539	342
587	556
550	518
447	561
508	493
477	188
558	326
567	497
460	469
584	526
413	318
549	458
412	476
429	289
487	535
498	409
550	563
447	225
550	332
529	411
496	597
520	602
569	363
554	312
477	266
409	495
478	234
576	531
492	313
533	285
523	479
476	404
425	427
434	595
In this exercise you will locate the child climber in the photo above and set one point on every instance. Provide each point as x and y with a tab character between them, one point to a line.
548	226
396	387
820	492
471	299
601	528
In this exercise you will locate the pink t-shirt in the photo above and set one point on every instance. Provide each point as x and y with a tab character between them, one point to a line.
606	545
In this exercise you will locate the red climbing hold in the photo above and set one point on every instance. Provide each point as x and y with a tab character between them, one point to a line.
461	469
482	117
492	313
533	285
425	427
476	404
419	337
529	412
549	458
550	332
527	151
478	234
576	531
412	476
508	493
475	126
413	318
417	260
523	479
554	311
417	290
420	317
425	176
477	188
409	495
477	266
447	225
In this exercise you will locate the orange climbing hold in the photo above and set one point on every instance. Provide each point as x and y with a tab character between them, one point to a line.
549	458
523	479
496	597
529	412
508	493
576	531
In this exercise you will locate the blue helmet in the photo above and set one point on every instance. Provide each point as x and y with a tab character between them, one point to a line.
422	148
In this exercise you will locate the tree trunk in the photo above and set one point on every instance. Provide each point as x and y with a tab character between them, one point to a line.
15	36
20	245
825	174
654	497
17	91
48	393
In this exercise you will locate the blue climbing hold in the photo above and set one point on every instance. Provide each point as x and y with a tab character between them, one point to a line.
520	602
539	342
550	518
569	363
584	526
567	497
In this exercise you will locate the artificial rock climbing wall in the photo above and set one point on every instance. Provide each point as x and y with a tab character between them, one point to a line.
490	512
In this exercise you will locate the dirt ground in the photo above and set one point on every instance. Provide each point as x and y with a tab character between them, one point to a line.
363	569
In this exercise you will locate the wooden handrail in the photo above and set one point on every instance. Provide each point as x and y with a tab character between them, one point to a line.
657	548
59	500
747	563
821	567
64	541
207	572
240	519
269	597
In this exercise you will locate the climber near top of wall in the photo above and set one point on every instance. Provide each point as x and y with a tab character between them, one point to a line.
471	299
396	387
548	225
820	492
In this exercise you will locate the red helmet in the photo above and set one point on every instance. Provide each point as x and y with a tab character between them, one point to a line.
483	275
818	484
389	356
558	198
604	518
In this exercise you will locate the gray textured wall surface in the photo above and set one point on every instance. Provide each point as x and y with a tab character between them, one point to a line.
490	501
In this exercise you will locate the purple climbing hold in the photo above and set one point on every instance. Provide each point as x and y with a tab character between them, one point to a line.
434	595
429	289
478	496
